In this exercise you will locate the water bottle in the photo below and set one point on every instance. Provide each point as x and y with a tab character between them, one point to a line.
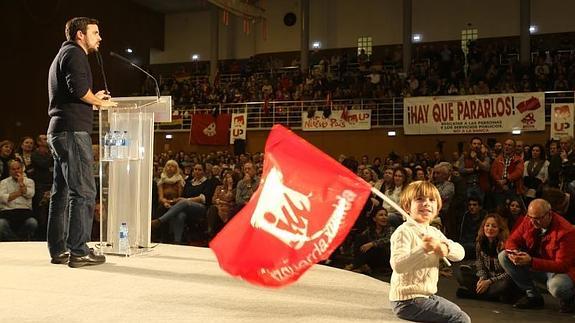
124	150
107	144
124	242
114	145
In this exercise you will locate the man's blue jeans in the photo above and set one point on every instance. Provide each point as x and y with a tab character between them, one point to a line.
73	193
178	215
429	309
558	284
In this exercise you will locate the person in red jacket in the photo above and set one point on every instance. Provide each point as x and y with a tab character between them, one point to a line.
541	249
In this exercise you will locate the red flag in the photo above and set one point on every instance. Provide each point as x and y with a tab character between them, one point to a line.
226	17
208	129
529	105
217	79
344	113
266	105
302	210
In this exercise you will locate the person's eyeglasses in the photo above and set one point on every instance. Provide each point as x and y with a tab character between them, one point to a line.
539	218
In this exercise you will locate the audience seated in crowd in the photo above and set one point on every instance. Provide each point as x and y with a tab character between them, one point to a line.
17	221
486	279
372	247
191	208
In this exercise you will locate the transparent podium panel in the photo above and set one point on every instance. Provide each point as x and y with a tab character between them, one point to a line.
126	163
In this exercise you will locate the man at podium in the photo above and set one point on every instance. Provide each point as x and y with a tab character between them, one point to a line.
70	110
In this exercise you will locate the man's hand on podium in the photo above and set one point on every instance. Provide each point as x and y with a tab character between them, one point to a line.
105	97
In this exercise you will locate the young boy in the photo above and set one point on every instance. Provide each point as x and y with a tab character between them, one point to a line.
416	249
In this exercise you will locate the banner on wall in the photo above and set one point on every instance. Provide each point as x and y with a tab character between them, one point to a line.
239	126
562	120
474	113
208	129
338	120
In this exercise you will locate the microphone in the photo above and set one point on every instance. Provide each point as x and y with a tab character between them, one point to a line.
138	67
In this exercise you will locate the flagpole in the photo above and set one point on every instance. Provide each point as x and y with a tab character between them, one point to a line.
402	212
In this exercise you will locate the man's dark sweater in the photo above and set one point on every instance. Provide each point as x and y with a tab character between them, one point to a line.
69	80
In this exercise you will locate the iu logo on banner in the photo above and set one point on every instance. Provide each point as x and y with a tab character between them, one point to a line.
210	130
302	210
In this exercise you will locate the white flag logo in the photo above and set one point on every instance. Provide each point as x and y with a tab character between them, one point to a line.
277	211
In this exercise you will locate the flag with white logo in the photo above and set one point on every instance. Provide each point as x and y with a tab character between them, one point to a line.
208	129
302	210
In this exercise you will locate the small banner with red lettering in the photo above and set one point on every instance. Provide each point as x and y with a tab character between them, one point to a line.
337	120
208	129
462	114
304	207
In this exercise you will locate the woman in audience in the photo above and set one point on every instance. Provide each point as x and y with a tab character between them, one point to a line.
535	173
223	201
420	174
24	154
400	182
486	279
372	246
170	186
369	175
6	153
513	212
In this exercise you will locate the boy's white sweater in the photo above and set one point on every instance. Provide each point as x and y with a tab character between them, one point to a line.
415	273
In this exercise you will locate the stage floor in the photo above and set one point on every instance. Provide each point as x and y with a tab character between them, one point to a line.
176	283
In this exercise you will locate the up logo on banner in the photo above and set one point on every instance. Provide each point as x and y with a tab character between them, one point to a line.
239	126
561	120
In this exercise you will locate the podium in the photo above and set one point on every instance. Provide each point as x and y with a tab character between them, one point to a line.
126	178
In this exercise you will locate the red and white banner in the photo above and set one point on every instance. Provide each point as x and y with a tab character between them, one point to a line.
239	126
301	212
207	129
338	120
562	115
474	113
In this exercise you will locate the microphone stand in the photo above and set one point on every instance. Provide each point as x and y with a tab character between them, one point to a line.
139	68
101	63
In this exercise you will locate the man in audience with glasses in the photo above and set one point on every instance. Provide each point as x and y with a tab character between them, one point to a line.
541	249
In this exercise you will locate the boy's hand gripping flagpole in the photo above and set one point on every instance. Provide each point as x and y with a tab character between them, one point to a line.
402	211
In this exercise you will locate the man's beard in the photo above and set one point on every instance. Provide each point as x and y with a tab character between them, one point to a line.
93	49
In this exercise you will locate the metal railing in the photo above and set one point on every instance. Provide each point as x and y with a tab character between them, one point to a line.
262	115
386	113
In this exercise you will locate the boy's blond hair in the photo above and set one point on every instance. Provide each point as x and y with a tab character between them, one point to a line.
417	189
